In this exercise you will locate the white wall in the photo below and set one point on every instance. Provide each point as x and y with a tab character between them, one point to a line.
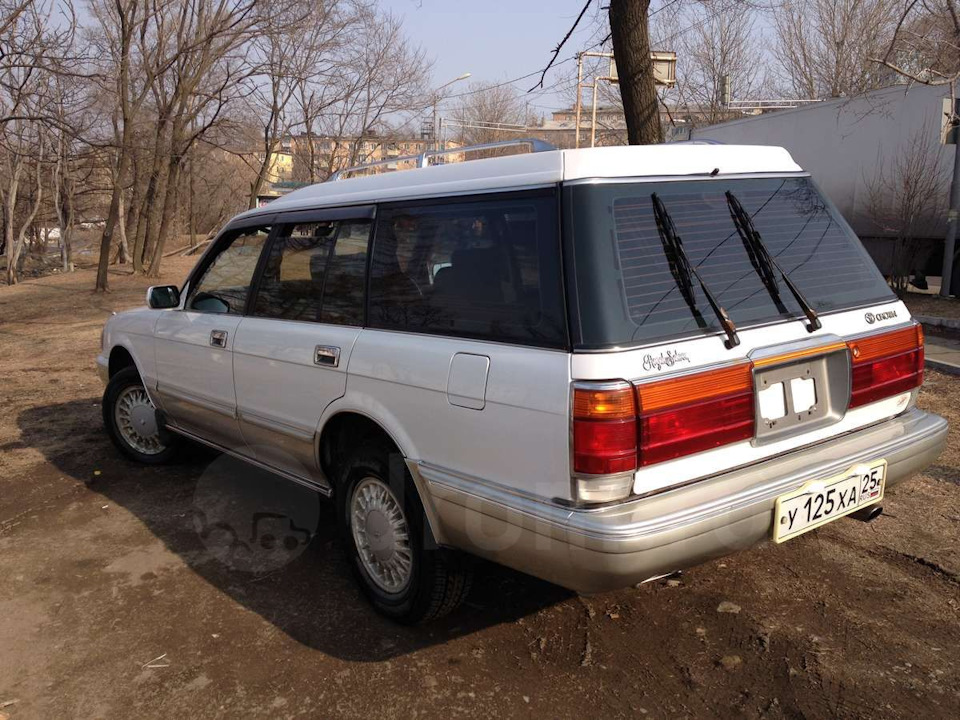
841	143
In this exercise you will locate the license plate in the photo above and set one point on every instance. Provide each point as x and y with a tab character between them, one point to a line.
820	501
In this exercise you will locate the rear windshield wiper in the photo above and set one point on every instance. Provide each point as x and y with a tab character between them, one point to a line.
765	264
683	272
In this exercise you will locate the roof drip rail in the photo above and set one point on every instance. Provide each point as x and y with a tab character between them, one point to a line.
424	159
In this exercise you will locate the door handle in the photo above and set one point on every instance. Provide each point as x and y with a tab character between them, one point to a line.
218	338
326	355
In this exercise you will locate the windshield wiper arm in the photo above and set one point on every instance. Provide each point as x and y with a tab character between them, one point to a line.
683	272
765	264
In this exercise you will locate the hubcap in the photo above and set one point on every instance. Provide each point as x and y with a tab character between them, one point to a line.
381	535
137	421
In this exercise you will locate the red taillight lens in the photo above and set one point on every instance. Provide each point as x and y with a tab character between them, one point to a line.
886	364
695	413
602	447
604	430
693	428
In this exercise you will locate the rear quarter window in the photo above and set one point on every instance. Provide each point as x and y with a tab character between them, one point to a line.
483	268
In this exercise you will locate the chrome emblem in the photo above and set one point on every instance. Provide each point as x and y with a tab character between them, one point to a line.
872	318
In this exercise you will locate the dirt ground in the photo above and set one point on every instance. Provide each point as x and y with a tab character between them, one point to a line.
115	601
933	305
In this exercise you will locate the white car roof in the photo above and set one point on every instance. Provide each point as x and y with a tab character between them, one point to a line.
516	172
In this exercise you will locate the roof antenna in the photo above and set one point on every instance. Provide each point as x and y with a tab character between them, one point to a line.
714	172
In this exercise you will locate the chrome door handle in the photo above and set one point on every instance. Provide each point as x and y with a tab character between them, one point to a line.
326	355
218	338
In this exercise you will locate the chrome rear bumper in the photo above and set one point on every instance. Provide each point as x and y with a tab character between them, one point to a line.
593	550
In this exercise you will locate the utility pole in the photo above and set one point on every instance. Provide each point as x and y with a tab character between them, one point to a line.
664	73
950	241
436	101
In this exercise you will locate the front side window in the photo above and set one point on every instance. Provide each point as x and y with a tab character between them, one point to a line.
486	269
225	284
315	273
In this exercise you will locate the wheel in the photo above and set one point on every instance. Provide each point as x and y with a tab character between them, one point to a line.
130	419
382	526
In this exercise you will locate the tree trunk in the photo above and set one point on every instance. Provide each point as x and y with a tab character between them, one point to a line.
113	215
124	252
14	259
146	232
8	219
132	225
167	218
260	180
631	47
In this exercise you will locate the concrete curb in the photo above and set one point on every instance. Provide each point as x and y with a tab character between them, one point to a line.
943	367
939	323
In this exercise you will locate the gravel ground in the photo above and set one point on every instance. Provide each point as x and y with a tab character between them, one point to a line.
117	602
933	305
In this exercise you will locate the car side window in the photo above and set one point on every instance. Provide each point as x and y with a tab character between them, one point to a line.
225	284
315	273
485	269
344	285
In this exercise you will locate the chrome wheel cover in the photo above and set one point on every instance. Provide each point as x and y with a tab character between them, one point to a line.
136	421
381	535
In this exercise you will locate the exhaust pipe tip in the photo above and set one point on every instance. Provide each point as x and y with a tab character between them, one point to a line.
868	514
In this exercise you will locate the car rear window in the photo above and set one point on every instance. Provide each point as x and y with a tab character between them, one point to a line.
627	295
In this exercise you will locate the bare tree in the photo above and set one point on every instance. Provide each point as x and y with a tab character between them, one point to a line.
130	78
490	112
29	49
721	41
299	44
382	73
824	47
905	201
925	47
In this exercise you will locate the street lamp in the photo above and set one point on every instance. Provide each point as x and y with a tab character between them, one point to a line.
436	100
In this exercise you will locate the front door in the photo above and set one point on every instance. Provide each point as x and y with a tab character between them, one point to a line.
194	345
291	352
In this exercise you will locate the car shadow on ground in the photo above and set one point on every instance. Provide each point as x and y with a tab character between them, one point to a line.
267	543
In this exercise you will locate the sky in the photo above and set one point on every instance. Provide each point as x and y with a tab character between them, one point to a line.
495	40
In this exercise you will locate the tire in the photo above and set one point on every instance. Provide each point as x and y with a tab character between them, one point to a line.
154	448
438	579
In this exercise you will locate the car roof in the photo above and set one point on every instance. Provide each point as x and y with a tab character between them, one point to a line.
516	172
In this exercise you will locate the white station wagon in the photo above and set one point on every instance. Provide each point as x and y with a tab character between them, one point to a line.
596	366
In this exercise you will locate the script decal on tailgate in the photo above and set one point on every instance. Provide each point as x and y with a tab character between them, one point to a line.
665	359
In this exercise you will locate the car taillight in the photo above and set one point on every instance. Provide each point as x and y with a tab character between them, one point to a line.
694	413
604	440
886	364
604	429
619	427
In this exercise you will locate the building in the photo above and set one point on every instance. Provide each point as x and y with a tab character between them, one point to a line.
675	119
872	155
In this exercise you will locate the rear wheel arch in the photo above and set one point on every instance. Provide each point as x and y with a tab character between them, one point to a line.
344	432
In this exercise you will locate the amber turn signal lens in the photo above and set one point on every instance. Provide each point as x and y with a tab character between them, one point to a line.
882	345
707	385
604	404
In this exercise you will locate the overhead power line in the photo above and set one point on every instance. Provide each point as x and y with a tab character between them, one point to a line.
556	50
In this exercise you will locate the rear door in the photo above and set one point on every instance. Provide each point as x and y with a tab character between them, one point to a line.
291	352
465	350
194	346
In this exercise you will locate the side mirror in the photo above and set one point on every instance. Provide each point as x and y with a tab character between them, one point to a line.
163	297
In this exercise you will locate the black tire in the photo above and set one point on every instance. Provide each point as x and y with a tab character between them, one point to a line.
440	577
121	381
